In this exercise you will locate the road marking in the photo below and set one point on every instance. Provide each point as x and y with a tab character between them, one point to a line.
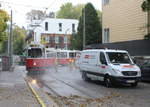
41	102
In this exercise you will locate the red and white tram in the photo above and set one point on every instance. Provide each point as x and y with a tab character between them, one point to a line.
37	60
40	58
65	57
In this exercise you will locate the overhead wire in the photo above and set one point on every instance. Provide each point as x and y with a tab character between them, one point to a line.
11	5
22	5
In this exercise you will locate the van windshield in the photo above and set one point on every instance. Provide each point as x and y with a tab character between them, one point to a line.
118	58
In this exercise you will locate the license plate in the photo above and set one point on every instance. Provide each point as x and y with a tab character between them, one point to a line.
130	81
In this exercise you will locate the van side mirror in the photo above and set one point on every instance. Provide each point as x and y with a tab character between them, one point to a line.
134	60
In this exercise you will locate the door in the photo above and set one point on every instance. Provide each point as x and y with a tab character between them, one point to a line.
103	63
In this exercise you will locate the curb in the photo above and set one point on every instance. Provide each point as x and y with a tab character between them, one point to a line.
40	101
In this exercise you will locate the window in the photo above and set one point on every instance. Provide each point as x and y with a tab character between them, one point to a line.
60	26
73	28
56	39
65	39
105	2
102	58
72	54
61	54
106	35
116	57
46	26
51	54
35	53
47	38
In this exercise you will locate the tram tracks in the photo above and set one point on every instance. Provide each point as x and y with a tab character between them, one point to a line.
74	87
49	87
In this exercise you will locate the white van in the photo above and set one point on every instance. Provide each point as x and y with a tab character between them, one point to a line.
110	66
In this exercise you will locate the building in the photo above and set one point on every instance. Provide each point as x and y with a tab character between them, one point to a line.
54	33
123	20
32	24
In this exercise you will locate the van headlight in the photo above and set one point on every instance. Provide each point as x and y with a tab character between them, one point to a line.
117	72
139	73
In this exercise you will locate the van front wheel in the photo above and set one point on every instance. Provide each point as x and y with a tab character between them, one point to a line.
107	82
84	76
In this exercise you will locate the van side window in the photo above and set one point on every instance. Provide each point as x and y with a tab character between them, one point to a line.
102	58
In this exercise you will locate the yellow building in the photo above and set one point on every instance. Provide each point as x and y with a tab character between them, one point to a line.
123	20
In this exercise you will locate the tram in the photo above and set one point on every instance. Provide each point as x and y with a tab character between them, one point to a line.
65	57
37	59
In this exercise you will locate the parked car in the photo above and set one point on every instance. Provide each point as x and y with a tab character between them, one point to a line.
144	64
110	66
145	71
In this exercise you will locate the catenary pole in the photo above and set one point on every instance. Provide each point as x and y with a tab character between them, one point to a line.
84	38
11	40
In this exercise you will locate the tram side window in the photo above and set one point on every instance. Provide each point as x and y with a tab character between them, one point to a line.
62	55
72	55
34	53
51	55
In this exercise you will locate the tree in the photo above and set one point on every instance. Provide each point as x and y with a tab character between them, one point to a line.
99	13
3	26
78	10
74	42
18	40
93	27
68	11
146	5
146	8
35	15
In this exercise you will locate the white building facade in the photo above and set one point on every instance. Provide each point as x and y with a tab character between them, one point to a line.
56	33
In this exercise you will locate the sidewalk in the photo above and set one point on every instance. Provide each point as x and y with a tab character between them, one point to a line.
14	91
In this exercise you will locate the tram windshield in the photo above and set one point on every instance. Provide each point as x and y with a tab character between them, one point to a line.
35	53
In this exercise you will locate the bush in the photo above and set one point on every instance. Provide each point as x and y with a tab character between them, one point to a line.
147	37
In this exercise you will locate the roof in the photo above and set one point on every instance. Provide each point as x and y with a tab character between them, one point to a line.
105	50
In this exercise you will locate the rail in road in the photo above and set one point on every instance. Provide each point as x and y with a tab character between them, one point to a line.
88	97
52	94
41	96
70	85
64	101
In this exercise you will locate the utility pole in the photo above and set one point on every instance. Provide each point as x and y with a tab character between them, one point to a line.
84	38
66	38
10	41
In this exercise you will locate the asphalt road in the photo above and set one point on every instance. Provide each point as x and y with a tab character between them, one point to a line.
66	82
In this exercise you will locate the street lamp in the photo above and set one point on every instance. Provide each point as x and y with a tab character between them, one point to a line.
66	38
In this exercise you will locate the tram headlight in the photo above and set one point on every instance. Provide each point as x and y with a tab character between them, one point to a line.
33	81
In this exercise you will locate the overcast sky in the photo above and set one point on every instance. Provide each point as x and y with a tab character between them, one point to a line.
21	7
